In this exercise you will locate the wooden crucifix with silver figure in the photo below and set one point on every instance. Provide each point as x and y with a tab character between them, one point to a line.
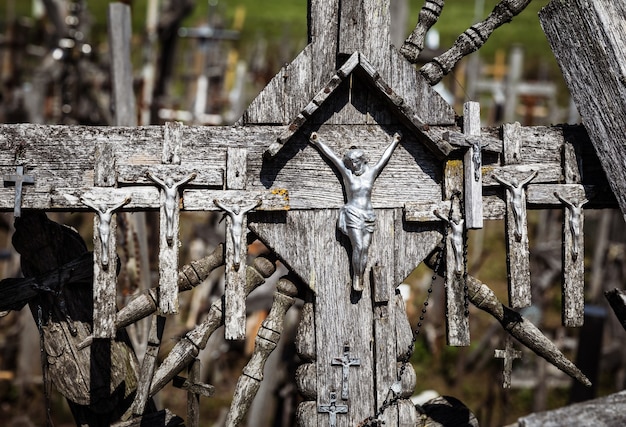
369	229
357	218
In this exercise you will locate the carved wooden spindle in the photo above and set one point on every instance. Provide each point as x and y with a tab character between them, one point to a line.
145	303
516	325
472	39
186	350
148	365
264	344
428	16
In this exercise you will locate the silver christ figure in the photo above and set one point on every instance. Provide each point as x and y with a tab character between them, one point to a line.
357	217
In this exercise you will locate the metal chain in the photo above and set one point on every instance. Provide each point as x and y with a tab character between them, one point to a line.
395	396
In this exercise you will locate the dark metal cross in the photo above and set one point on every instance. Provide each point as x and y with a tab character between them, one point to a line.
508	354
18	180
345	362
333	409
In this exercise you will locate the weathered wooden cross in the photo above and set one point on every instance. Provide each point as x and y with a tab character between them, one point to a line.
348	87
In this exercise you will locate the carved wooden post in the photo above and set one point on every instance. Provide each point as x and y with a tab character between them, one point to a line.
264	344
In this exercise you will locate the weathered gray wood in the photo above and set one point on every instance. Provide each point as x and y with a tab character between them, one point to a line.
148	365
306	414
591	56
472	167
90	379
186	350
105	272
172	142
517	326
518	255
236	168
119	24
189	276
306	381
573	256
512	143
457	323
331	281
264	344
472	39
305	336
62	159
607	410
428	16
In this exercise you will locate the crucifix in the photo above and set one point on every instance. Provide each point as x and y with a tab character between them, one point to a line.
168	245
345	362
357	217
105	276
332	409
508	354
518	263
18	180
573	271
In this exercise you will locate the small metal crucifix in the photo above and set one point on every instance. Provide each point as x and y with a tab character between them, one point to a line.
508	354
345	362
18	180
333	409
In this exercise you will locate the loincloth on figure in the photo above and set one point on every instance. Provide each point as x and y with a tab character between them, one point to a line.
353	217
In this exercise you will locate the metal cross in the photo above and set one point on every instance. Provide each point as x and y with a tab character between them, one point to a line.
345	362
18	180
508	354
333	409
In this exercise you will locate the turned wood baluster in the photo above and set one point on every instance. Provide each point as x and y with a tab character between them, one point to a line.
264	344
186	350
472	39
414	44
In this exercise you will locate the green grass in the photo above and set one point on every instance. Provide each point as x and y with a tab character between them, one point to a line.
283	23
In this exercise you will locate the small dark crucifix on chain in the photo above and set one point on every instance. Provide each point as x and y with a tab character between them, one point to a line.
508	354
18	180
333	409
357	218
345	362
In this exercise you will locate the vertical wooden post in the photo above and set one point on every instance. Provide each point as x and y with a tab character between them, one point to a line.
105	277
457	323
234	295
472	162
121	68
168	245
518	260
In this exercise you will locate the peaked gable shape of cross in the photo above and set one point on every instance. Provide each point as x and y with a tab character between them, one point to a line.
358	62
337	30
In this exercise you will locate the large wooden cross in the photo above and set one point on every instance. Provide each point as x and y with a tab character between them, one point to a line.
352	88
